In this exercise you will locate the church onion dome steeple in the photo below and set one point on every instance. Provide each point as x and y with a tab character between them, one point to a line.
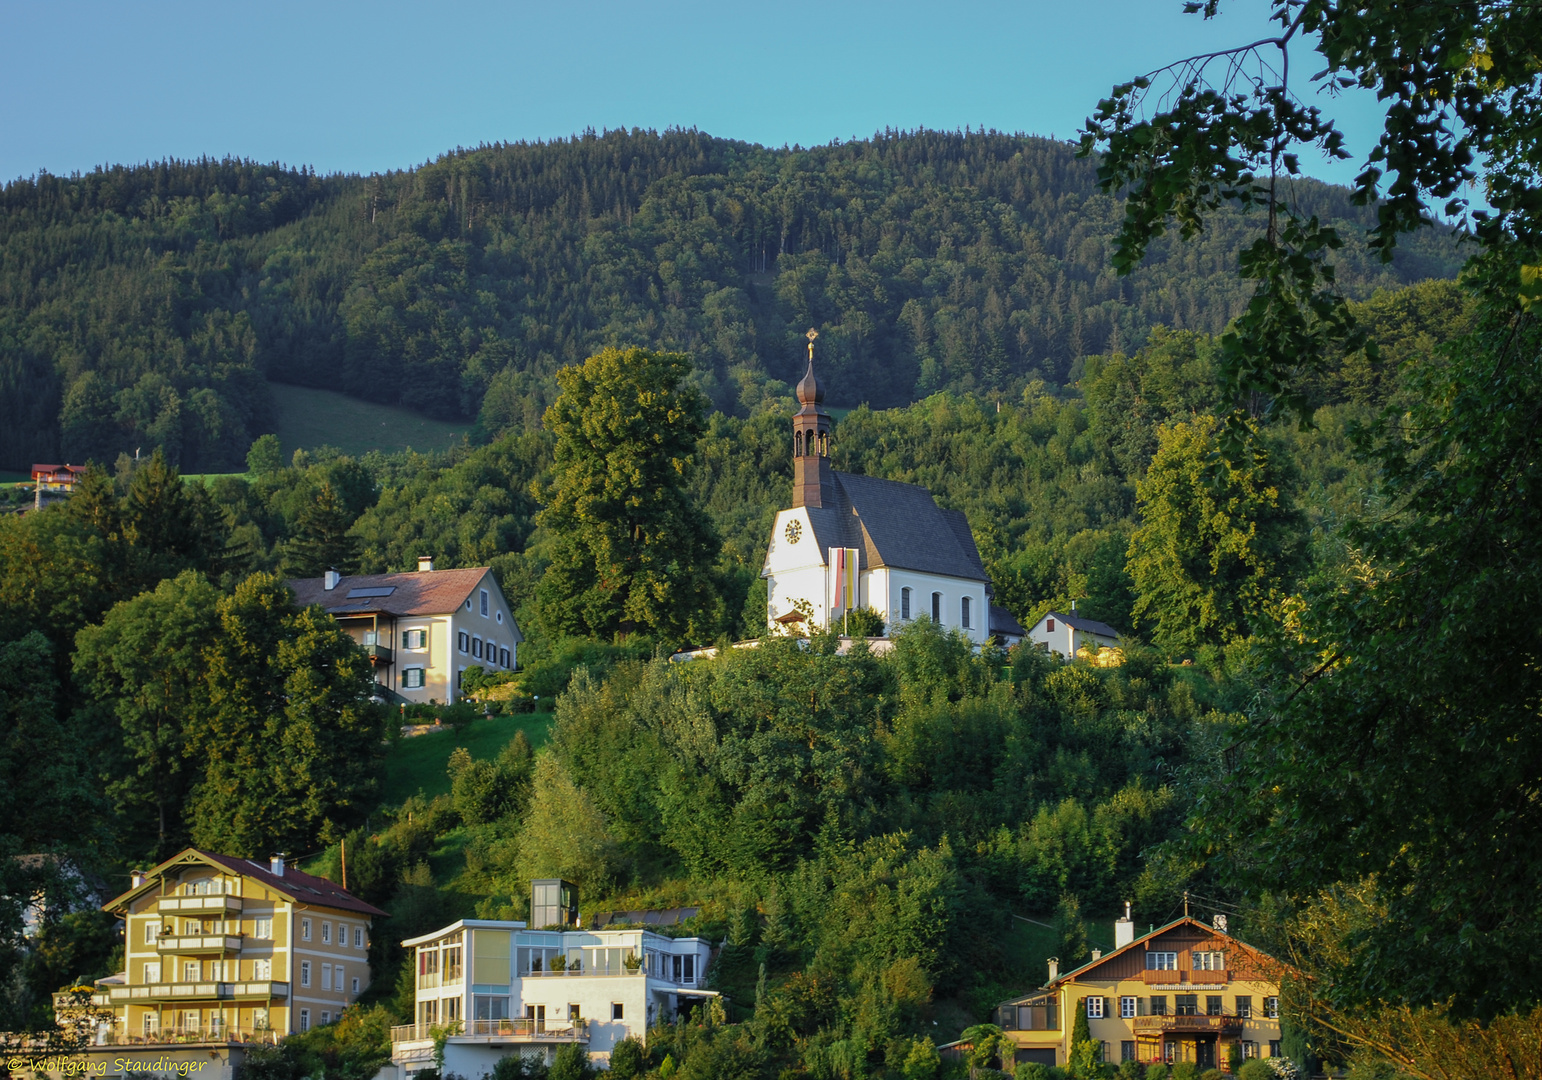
809	390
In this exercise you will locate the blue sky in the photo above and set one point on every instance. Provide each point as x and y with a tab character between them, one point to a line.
373	86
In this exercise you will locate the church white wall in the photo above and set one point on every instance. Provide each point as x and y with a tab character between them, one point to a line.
953	591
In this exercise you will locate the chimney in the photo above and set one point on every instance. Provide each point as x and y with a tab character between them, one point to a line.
1073	606
425	563
1124	929
276	864
136	878
1097	954
1219	922
1054	968
330	579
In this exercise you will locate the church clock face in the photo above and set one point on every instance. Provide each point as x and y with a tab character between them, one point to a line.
794	531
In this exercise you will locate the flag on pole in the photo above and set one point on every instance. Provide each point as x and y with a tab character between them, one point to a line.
843	579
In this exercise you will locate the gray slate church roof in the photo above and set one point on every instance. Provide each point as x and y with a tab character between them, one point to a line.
898	526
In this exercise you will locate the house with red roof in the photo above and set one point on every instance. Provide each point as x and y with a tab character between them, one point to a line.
222	952
423	629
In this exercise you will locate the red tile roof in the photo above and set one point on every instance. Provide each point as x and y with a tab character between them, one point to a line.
300	887
422	592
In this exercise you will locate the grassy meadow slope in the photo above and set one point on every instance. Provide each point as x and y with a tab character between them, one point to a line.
309	417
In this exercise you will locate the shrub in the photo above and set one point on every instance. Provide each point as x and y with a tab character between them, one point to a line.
1255	1069
1129	1070
1156	1071
1185	1070
1032	1070
628	1059
1212	1074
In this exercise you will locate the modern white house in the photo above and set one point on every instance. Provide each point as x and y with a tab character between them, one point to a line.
1064	633
422	630
501	988
850	541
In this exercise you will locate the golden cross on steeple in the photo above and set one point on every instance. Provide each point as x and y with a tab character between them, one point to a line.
811	335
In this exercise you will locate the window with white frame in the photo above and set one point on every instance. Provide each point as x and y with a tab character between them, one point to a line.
476	647
415	639
500	618
963	613
463	639
355	986
263	927
1209	961
305	1019
358	937
305	972
1127	1007
153	972
1274	1048
305	929
192	970
1161	961
905	602
484	603
152	931
326	976
1249	1048
937	607
617	1011
412	678
262	970
1272	1008
503	658
1094	1008
326	933
1245	1006
326	1017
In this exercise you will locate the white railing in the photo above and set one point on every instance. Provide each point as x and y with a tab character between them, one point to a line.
198	943
522	1029
573	972
204	902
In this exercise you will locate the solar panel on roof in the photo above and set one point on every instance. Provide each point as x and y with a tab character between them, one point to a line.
385	590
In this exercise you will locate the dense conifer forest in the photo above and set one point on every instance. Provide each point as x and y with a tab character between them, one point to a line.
145	306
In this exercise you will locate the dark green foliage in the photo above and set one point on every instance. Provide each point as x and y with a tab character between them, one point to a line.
144	665
147	304
289	739
630	552
485	791
571	1062
1255	1069
628	1060
321	539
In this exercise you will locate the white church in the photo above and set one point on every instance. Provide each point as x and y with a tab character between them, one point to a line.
850	542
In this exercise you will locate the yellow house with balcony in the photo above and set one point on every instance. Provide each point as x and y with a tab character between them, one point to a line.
1183	992
220	950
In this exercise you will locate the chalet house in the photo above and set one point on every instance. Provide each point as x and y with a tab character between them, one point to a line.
51	483
422	630
1065	634
1184	992
221	953
850	542
503	988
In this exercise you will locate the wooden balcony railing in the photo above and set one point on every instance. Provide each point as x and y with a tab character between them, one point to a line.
1189	1024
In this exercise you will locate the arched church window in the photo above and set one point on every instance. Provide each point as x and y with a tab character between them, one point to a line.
797	444
905	602
963	612
824	444
937	607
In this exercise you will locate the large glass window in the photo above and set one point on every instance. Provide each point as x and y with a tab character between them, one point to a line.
905	602
1188	1004
1162	961
963	613
937	607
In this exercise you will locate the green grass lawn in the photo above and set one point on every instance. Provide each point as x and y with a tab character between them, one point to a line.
208	477
420	763
309	418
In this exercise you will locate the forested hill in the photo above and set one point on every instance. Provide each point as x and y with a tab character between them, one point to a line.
149	305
